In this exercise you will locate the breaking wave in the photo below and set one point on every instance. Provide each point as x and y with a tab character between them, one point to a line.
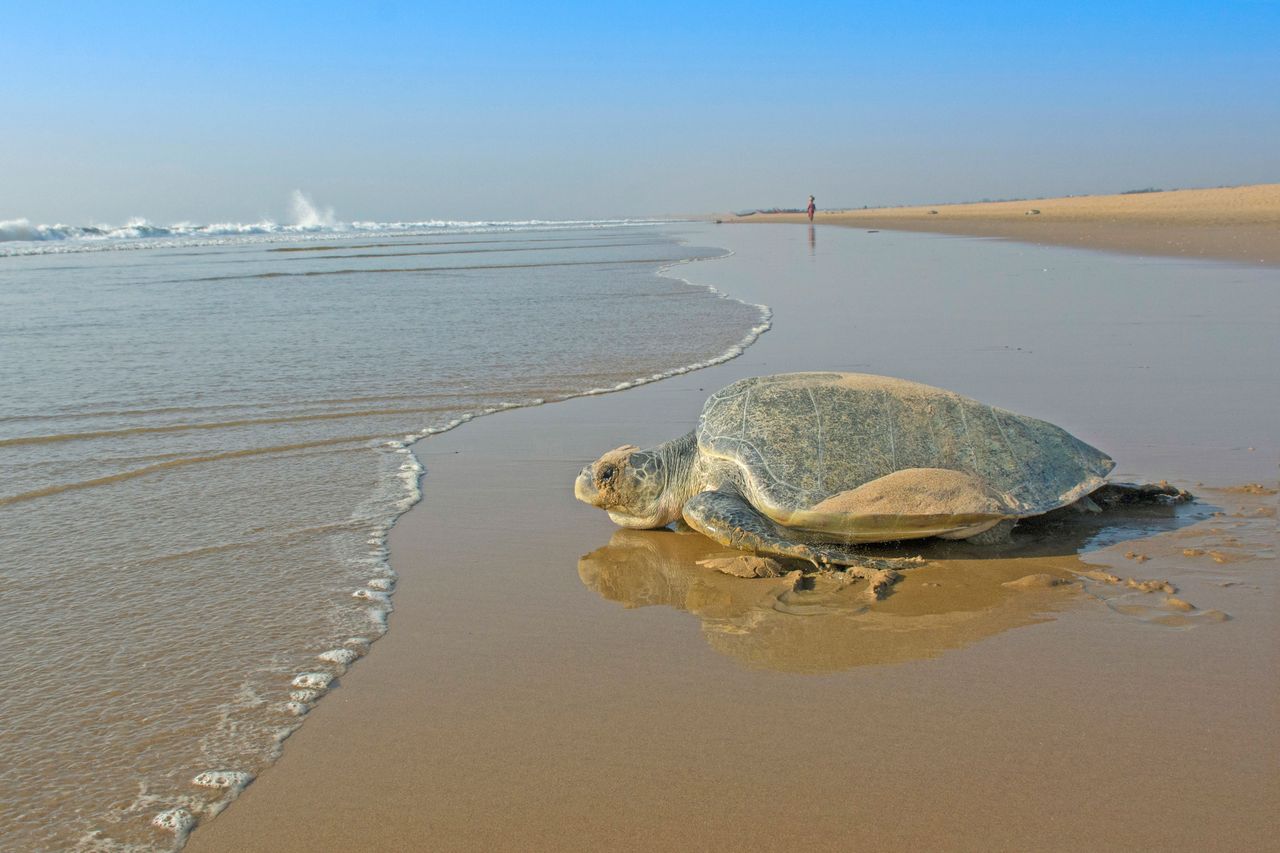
309	222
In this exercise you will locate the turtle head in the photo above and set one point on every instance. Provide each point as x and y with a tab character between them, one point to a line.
631	485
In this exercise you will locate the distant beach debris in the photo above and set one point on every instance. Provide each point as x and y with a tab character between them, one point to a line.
1140	192
1035	211
933	211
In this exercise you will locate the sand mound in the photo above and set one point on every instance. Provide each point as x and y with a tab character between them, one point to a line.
745	566
1038	581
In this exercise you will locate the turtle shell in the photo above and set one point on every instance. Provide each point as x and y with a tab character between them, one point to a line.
801	438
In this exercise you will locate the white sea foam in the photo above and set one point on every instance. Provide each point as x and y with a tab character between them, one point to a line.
312	680
227	779
283	733
342	657
179	821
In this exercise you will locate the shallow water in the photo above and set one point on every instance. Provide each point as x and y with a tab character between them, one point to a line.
202	448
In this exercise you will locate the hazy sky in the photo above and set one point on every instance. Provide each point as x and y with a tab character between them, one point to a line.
465	110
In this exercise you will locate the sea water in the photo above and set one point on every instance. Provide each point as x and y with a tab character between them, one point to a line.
206	433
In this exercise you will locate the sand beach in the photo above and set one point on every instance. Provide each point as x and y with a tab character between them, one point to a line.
1229	223
551	682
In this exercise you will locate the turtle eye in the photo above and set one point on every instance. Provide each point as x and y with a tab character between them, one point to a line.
606	472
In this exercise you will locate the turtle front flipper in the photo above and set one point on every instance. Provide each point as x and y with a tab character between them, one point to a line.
730	520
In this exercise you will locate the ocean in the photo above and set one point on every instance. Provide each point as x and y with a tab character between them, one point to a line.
206	433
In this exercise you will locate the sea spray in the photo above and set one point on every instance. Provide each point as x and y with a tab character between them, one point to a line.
307	217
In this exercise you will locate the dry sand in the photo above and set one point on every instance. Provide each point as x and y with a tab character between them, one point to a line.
551	682
1230	223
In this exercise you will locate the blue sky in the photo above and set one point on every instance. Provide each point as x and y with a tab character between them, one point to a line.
410	111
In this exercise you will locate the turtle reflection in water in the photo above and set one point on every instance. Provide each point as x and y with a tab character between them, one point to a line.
827	621
822	624
807	465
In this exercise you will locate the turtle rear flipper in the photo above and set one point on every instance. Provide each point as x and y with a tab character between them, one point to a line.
1119	494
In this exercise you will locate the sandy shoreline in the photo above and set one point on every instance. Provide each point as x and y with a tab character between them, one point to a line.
550	683
1231	223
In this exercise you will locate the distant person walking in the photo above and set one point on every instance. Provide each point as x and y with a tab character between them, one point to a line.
811	208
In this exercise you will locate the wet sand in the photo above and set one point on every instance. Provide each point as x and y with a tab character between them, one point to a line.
1230	223
551	682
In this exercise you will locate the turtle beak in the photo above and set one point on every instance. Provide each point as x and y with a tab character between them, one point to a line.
584	488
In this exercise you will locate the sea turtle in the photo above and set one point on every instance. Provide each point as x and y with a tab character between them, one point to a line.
806	464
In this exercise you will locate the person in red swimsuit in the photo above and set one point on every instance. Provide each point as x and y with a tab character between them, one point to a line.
811	208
